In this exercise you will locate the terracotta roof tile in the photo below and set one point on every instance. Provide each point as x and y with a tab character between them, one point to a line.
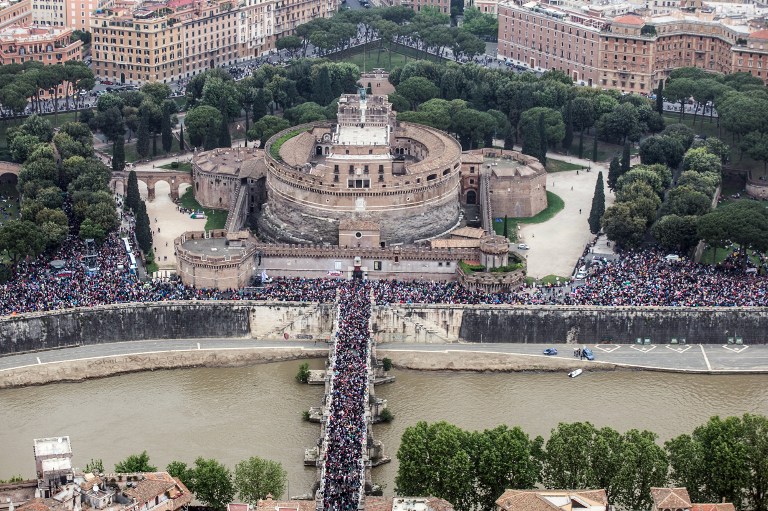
670	498
760	34
629	19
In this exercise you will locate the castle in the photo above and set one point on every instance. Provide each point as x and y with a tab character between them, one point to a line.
365	193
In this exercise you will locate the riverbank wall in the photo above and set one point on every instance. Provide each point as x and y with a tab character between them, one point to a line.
400	323
101	367
575	325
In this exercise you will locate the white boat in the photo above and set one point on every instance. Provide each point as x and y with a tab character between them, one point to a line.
575	373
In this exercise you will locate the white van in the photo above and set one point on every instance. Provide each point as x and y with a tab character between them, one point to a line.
672	257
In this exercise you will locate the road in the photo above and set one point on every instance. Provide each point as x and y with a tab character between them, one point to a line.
691	357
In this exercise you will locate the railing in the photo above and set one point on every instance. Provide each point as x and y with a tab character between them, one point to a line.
236	211
485	200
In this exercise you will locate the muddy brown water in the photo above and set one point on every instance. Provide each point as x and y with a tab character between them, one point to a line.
231	414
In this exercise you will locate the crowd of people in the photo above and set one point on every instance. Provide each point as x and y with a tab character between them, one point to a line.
345	438
643	278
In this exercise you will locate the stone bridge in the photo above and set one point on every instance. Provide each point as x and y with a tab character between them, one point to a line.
7	168
151	177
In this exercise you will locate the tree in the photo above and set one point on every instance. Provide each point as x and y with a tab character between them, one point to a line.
181	470
620	124
434	461
594	149
132	196
566	456
417	90
157	92
224	138
701	160
322	87
677	233
165	128
625	158
724	459
89	229
614	172
583	115
94	467
266	127
623	226
290	43
22	146
135	463
641	174
743	222
685	201
182	144
553	129
213	135
212	484
755	144
255	478
660	98
680	90
21	238
143	229
643	466
661	149
118	154
568	138
142	136
198	122
598	205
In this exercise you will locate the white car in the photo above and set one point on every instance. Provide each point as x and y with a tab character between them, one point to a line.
523	246
581	275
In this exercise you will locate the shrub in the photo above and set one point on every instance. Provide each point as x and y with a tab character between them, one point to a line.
303	375
387	364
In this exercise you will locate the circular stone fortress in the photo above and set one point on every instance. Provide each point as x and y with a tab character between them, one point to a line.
366	167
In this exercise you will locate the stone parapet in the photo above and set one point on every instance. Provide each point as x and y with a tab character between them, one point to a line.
491	282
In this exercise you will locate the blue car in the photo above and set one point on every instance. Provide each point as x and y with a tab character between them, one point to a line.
550	351
587	353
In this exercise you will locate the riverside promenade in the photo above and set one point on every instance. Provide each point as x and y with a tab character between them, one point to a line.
109	359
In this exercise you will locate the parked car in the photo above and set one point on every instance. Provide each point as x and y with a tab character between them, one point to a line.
523	246
550	351
581	275
106	82
587	353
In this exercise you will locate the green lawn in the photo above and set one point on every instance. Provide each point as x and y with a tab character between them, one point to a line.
375	57
712	256
8	210
551	279
554	165
554	205
183	166
217	218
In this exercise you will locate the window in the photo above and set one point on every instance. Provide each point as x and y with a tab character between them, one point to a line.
377	265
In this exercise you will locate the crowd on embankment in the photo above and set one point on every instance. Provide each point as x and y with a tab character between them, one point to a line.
643	278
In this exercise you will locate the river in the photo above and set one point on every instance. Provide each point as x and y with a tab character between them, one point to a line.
231	414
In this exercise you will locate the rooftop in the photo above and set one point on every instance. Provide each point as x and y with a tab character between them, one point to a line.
670	498
356	135
54	446
56	464
212	247
229	161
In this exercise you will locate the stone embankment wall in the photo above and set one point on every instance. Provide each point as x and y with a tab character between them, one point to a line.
578	325
164	320
402	323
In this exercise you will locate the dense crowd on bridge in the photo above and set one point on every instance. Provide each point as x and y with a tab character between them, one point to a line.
343	469
637	278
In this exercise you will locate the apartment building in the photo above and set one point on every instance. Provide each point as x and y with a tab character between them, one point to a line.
15	13
628	52
172	39
49	45
163	41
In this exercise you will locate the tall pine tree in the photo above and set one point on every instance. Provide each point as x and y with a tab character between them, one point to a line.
322	87
225	140
614	172
118	154
143	230
531	143
598	205
132	197
506	230
660	98
625	158
165	128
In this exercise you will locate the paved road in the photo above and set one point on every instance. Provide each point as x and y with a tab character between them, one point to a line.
693	357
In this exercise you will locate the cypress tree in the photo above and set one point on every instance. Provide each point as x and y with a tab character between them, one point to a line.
224	139
182	144
625	158
542	156
118	154
598	205
660	98
568	139
143	231
322	87
132	197
142	135
212	136
531	143
614	171
165	129
154	143
594	148
259	105
506	232
581	144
